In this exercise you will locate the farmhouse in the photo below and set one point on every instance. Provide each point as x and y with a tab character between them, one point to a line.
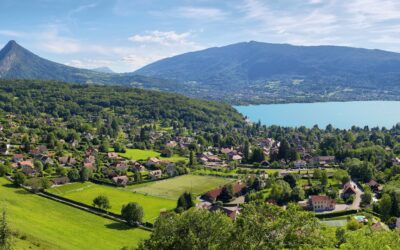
121	180
375	186
112	156
213	194
321	203
155	174
60	180
349	189
18	158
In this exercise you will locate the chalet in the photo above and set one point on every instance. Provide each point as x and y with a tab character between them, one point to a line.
226	150
27	163
34	152
66	160
153	161
320	203
112	156
375	186
110	173
18	157
89	165
349	189
121	166
171	169
138	167
300	164
324	161
171	144
213	194
155	174
396	161
231	212
46	159
121	180
60	180
235	157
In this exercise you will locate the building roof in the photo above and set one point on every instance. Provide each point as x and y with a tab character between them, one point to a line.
321	198
349	186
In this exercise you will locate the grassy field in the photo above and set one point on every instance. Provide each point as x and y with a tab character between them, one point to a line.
172	188
86	192
139	154
48	224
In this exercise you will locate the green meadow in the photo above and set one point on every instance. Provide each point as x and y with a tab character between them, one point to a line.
46	224
172	188
142	155
86	192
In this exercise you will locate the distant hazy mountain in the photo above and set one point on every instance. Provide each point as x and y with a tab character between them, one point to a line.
103	70
17	62
263	72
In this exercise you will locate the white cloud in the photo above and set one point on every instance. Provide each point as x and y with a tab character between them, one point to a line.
88	63
161	37
11	33
205	14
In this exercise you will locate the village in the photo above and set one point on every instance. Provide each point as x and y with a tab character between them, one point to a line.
313	181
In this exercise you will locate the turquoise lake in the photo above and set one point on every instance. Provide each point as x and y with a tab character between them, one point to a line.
340	114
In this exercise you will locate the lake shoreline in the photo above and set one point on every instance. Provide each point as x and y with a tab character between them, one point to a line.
342	115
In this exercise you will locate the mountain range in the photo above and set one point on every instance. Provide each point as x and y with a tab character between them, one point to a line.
17	62
248	72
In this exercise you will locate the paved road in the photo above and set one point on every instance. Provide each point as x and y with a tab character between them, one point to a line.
357	198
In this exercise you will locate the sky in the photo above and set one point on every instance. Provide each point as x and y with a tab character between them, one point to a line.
125	35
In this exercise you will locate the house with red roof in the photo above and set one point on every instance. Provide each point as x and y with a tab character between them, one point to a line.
320	203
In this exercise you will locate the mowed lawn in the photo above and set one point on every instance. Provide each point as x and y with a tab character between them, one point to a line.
47	224
172	188
86	192
141	155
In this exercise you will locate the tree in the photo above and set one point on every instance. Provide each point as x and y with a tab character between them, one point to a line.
5	234
297	194
132	213
341	176
137	176
264	226
73	175
340	236
194	229
101	202
246	151
226	194
291	179
85	174
257	184
4	170
284	150
192	159
19	179
280	192
324	178
366	198
258	155
185	201
385	206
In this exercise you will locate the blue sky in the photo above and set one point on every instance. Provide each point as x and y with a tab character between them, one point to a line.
127	34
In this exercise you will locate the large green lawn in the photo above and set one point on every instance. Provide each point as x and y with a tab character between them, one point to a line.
48	224
86	192
172	188
139	155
